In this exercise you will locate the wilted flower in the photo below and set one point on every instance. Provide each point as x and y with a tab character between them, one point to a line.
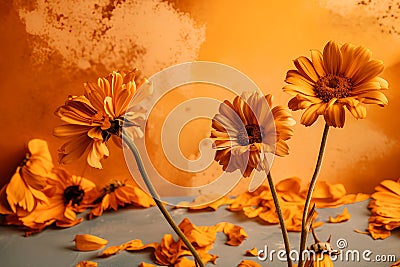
343	76
28	186
118	194
70	192
99	114
246	129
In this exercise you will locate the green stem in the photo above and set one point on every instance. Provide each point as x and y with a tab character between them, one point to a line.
159	204
304	230
281	219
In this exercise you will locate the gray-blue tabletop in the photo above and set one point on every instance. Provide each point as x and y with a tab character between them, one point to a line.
55	247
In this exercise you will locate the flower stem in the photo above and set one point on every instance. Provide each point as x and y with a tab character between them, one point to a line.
281	219
159	203
304	230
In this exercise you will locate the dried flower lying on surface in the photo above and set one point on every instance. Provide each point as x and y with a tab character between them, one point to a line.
345	216
385	209
259	203
70	192
28	187
246	129
118	194
86	242
93	118
172	253
342	76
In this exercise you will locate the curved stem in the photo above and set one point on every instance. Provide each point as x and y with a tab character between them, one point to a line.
304	230
281	219
159	204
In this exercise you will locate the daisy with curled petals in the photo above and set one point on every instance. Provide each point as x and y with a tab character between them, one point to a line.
72	194
118	194
99	114
246	129
343	76
28	186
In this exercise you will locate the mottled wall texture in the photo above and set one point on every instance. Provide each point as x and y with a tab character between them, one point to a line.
49	48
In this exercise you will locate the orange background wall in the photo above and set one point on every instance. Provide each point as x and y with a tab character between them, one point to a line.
45	57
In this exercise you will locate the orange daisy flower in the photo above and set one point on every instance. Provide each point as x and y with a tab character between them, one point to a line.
99	114
118	194
247	129
28	186
71	194
343	76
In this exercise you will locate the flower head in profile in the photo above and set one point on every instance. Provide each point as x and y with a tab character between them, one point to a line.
246	129
28	186
93	118
118	194
342	77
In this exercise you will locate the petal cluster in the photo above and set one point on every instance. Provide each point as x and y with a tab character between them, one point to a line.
385	209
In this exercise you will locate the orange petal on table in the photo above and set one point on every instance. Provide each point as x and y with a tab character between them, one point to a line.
110	251
248	263
86	242
252	252
196	235
289	185
87	264
235	234
137	244
344	216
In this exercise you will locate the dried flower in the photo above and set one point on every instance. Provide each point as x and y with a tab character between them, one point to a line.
118	194
343	76
385	209
99	114
246	129
86	242
28	186
70	193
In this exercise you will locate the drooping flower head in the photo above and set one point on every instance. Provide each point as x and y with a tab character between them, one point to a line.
343	76
28	186
246	129
71	194
99	114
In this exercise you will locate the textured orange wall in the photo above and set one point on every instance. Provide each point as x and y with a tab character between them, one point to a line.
42	62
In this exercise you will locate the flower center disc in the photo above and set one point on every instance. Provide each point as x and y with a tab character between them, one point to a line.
73	193
250	135
332	86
